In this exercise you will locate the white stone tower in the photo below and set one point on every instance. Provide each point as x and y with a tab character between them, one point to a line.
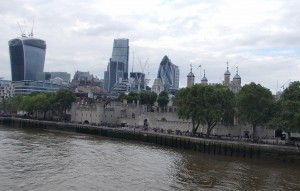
236	82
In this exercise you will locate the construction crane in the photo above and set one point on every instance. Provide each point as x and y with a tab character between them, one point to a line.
143	66
285	84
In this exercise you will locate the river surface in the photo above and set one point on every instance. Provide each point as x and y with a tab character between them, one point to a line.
32	159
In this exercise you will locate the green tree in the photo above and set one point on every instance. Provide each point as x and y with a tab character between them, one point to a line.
255	105
42	103
5	106
132	97
287	117
163	99
206	105
122	96
15	103
28	104
64	99
147	97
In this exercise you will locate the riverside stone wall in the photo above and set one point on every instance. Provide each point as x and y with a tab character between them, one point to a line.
285	154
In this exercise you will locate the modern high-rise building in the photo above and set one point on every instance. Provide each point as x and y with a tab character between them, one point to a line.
117	68
27	57
120	53
169	74
114	74
138	79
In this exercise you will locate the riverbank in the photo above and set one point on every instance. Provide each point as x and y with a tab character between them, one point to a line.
288	154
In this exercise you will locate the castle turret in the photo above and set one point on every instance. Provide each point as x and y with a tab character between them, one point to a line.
236	82
190	79
227	77
204	79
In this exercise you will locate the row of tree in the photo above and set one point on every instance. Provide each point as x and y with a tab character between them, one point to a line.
41	103
202	104
254	105
146	98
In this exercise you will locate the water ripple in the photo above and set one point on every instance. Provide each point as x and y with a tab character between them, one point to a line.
51	160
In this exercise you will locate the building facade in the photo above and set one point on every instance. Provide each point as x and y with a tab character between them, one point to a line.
120	53
7	90
138	81
169	74
27	58
114	74
26	87
117	67
236	84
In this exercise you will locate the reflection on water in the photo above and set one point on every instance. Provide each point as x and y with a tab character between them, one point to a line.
51	160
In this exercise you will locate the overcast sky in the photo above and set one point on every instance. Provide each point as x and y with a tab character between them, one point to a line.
261	38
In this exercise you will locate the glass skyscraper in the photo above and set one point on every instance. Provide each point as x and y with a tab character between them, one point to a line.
27	58
114	73
169	74
120	53
117	68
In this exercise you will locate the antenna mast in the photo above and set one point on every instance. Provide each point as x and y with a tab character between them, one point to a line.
142	68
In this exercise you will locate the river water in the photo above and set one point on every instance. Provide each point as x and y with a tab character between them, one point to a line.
33	159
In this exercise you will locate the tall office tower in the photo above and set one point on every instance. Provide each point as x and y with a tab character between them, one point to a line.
106	80
176	77
120	53
169	74
114	73
27	57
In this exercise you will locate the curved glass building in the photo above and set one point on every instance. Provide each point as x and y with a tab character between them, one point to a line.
169	74
27	57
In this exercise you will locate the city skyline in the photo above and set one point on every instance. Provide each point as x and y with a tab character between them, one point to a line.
260	37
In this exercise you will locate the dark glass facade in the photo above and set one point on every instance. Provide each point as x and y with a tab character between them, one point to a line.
27	58
169	74
27	87
115	73
120	53
139	78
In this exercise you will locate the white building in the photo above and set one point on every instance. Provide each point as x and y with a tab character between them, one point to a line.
7	90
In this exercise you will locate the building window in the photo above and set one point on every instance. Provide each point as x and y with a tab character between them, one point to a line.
133	115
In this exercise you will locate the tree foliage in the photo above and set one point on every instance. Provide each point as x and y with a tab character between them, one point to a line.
287	117
64	99
163	99
148	98
145	97
132	97
41	102
206	105
255	105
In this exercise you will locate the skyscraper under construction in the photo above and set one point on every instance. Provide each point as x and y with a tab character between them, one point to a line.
27	57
